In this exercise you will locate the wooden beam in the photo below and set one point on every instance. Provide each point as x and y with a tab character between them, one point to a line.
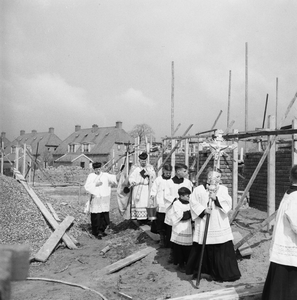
244	135
49	246
244	249
235	172
70	244
127	261
53	212
271	173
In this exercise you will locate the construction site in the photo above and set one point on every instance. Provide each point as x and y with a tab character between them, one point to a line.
50	253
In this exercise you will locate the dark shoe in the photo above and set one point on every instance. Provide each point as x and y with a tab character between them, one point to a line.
98	237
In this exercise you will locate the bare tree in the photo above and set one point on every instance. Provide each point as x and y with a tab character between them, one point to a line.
142	131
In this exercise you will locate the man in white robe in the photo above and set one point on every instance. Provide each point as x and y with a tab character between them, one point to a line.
141	178
281	280
157	199
219	259
98	184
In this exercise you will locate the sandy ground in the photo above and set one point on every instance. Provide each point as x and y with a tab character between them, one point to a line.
146	279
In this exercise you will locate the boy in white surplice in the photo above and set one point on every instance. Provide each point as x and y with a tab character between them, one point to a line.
181	236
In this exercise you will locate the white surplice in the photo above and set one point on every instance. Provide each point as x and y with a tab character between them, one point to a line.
219	230
101	200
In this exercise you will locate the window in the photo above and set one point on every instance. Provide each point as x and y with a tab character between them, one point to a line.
72	148
85	148
82	164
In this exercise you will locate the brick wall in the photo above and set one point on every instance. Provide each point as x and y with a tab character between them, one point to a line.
258	191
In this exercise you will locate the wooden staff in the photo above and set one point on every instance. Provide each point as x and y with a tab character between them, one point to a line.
203	247
216	166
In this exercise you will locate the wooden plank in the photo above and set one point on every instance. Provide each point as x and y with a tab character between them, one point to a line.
127	261
242	292
244	249
49	246
53	212
68	241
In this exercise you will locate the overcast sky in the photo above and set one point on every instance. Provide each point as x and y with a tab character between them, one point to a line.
85	62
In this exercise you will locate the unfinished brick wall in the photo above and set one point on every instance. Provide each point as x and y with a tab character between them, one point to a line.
258	191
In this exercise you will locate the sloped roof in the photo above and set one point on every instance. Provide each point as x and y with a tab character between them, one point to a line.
42	139
71	157
103	139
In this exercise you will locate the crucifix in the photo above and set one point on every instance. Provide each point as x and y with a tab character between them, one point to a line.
218	147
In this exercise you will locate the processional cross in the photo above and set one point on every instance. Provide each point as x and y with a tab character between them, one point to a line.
218	147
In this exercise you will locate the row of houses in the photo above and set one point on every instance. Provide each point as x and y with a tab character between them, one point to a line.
80	148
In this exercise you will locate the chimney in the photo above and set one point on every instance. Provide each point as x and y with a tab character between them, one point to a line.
51	130
77	127
34	131
119	124
94	127
22	132
3	135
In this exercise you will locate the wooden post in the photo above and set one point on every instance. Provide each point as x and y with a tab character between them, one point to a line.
215	122
2	156
172	99
276	101
229	97
187	152
246	87
24	160
197	163
16	161
271	173
235	171
173	145
294	143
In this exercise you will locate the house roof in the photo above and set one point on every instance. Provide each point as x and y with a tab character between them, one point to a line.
102	139
71	157
42	139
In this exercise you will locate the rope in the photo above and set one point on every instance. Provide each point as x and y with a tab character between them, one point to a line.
68	283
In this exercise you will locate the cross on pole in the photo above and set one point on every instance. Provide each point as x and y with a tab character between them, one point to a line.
218	147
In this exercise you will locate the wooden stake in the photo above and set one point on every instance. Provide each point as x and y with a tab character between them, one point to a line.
229	97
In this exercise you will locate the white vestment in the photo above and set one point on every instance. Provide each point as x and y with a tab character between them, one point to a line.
171	193
181	229
219	229
140	190
101	200
283	249
158	191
